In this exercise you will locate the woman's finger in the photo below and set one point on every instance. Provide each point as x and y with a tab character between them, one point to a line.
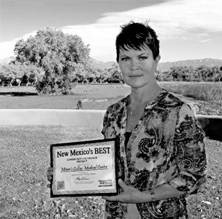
109	198
122	184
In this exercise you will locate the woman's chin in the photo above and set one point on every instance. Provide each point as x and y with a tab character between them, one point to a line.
136	85
135	82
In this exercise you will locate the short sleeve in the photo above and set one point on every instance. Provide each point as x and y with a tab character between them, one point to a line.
105	123
189	152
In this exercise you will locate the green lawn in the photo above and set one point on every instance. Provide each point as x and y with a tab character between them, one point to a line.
208	96
92	97
25	157
23	186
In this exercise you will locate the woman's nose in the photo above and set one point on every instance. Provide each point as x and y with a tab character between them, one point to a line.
134	64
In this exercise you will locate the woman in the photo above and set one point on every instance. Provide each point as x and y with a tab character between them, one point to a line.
161	150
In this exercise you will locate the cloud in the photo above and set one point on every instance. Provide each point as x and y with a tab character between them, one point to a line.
100	37
7	47
184	20
176	19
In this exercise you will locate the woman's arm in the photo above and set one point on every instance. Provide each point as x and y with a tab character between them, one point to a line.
132	195
190	155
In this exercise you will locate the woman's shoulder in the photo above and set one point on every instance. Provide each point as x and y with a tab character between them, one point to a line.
113	115
178	103
171	100
118	105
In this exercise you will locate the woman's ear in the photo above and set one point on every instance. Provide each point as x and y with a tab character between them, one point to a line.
157	59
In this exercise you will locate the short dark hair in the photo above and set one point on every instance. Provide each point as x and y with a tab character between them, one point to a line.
136	35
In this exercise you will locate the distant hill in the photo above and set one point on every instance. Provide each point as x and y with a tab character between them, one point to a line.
100	64
165	66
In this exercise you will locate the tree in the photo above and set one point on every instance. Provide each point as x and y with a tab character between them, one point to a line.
57	54
16	74
113	74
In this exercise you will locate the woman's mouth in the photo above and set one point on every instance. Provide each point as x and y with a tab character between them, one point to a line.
135	76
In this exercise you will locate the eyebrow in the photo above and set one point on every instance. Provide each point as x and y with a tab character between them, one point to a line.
143	53
123	55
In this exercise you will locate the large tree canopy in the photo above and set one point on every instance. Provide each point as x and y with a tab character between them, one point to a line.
57	54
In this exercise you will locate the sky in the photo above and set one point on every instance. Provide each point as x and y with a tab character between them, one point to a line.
187	29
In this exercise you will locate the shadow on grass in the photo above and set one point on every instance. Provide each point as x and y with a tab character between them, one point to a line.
19	93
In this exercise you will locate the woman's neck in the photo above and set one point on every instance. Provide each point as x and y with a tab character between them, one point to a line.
143	95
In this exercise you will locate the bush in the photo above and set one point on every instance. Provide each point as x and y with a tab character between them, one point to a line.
53	87
206	91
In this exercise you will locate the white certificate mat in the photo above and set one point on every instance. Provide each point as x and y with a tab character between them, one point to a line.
84	168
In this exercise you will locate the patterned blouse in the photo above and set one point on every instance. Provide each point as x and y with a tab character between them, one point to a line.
166	146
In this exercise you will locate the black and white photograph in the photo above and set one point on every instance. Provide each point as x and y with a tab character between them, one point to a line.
110	109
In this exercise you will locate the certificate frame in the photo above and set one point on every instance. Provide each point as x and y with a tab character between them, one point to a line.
82	167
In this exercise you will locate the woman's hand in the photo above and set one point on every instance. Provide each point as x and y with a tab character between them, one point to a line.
49	174
129	194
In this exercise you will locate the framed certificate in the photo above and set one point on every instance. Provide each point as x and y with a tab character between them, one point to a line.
84	168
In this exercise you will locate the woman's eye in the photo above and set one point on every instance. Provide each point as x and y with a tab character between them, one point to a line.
143	57
124	59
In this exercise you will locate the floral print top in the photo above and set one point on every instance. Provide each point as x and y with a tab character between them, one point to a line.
166	146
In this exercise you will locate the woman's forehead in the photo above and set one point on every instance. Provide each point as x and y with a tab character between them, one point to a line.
128	50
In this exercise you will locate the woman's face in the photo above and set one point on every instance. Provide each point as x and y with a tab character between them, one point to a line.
138	66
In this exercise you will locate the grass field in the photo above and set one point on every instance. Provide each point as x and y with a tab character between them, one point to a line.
92	97
25	154
205	91
208	96
23	185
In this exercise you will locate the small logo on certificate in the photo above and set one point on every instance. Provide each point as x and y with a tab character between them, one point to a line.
84	168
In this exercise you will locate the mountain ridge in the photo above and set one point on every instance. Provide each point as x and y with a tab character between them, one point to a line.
163	66
210	62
